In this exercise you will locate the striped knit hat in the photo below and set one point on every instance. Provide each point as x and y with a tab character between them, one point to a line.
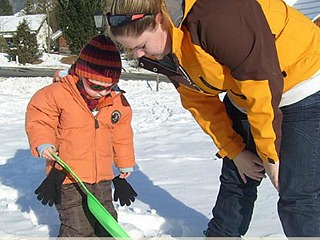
99	60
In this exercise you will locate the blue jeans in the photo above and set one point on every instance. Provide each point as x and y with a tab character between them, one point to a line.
299	177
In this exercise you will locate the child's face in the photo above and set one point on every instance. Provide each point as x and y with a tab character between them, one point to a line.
96	89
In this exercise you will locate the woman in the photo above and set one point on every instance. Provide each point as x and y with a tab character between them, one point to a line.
269	120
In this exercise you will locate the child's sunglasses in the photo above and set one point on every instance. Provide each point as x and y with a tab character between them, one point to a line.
119	20
97	87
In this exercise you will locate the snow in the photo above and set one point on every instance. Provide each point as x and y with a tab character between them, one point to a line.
176	177
10	23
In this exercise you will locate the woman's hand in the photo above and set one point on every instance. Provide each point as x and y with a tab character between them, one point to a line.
250	165
272	171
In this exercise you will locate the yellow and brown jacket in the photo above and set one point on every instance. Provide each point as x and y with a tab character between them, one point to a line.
252	50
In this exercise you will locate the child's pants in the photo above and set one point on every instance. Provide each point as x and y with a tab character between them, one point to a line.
76	219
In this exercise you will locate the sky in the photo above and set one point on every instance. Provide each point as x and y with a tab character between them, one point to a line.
176	174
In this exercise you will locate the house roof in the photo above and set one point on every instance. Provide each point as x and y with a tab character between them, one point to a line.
10	23
56	35
310	8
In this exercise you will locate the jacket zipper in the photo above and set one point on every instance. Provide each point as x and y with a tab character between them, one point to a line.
186	76
96	123
96	126
210	86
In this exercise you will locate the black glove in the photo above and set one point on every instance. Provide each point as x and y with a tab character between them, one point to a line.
49	190
123	191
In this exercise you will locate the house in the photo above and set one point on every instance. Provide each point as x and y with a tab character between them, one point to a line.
310	8
61	45
37	24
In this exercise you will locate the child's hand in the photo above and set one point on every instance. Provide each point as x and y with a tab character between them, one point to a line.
46	154
124	175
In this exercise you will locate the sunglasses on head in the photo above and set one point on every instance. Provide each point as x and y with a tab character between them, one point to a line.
97	87
119	20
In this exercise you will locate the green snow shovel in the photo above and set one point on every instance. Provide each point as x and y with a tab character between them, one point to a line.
96	208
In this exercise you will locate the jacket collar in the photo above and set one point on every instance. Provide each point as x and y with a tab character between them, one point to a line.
69	83
178	14
178	10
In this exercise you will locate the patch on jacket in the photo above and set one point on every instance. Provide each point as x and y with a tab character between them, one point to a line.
115	116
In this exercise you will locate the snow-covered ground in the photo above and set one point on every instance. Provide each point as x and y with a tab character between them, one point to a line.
176	176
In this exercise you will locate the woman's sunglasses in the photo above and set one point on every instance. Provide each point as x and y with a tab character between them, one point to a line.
97	87
119	20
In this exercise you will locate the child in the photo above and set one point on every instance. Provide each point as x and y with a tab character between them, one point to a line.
87	122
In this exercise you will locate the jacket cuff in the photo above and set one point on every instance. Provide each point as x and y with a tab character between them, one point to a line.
232	149
265	158
42	147
124	170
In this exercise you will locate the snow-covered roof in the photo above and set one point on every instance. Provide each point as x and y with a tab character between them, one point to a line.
10	23
55	35
310	8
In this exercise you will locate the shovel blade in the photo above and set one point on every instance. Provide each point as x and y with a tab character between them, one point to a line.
96	208
105	218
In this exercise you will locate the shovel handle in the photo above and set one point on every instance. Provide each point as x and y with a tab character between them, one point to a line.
66	167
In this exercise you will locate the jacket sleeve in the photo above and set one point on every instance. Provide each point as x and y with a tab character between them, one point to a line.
123	146
246	46
264	116
210	114
41	121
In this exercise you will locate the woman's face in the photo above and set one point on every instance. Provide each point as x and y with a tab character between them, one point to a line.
151	43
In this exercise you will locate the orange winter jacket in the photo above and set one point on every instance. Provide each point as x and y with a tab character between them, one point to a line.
90	145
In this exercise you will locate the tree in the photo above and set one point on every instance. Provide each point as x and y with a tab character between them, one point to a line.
26	46
107	5
29	7
6	8
50	8
3	44
77	22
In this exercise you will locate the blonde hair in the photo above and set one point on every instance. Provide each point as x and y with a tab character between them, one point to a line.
136	28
